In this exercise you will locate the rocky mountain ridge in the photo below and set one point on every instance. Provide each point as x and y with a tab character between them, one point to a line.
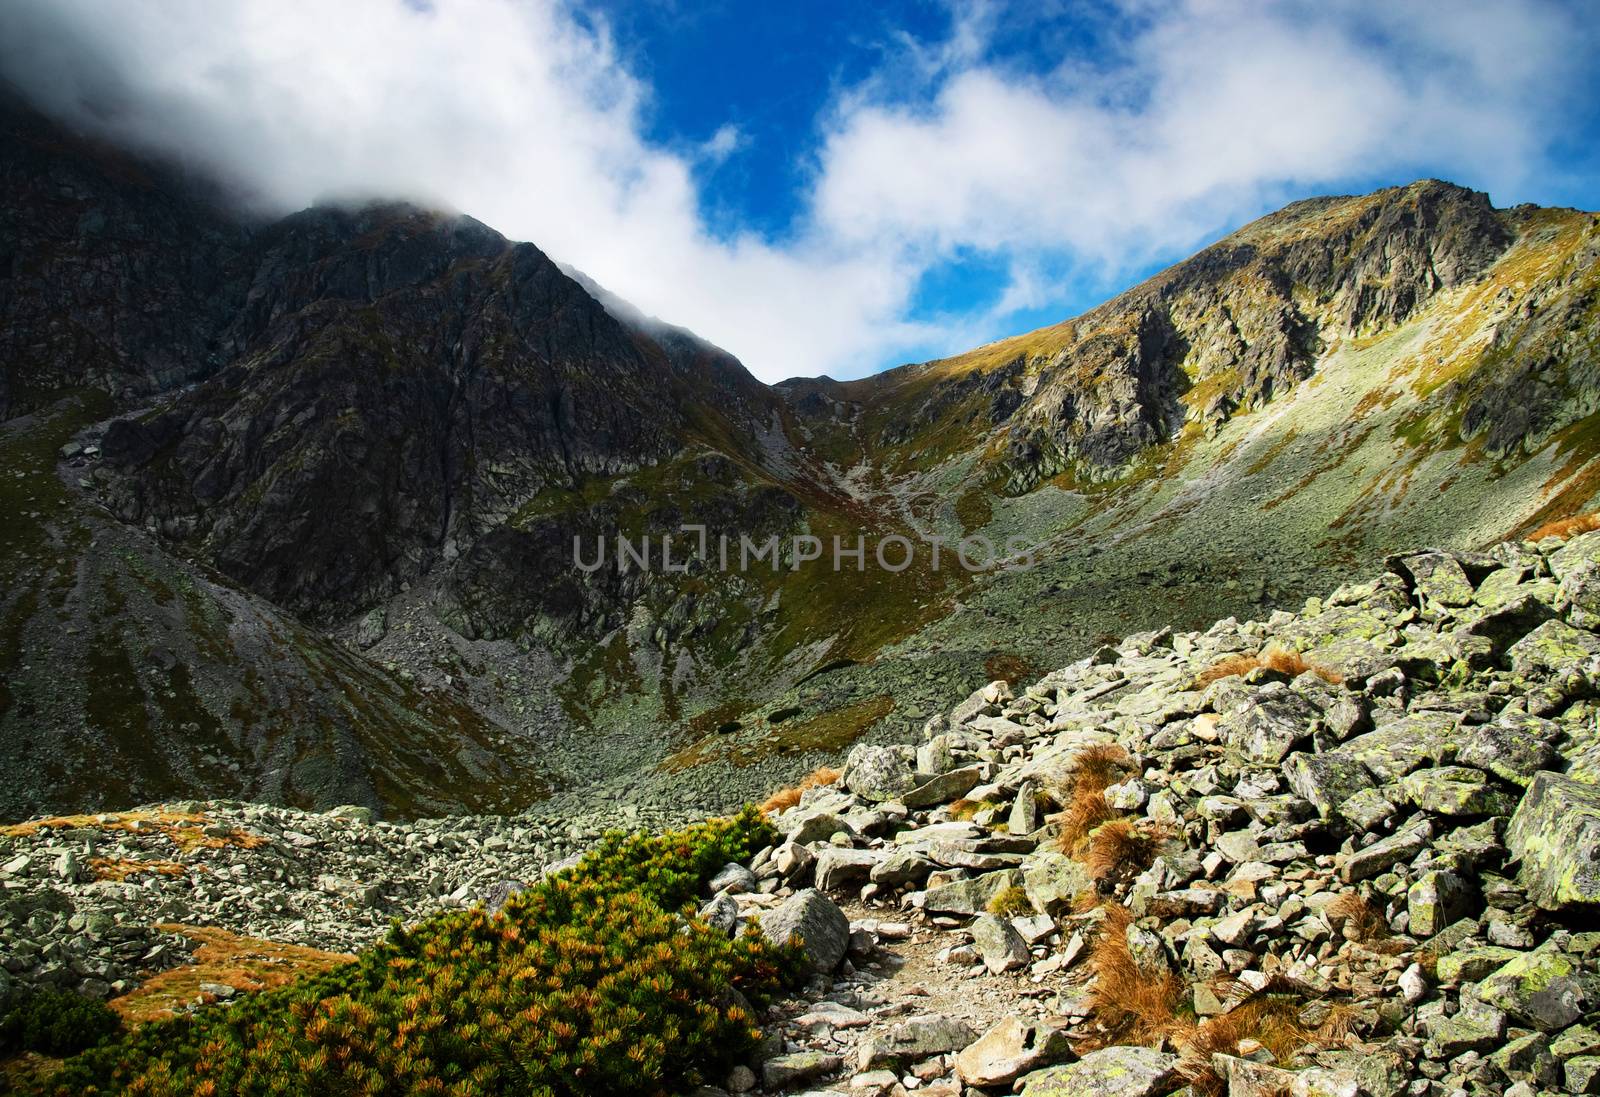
1348	850
385	426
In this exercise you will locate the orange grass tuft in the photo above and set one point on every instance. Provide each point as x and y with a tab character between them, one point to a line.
1567	527
786	798
1354	915
1094	769
185	830
244	963
120	868
1131	1005
1289	663
1123	848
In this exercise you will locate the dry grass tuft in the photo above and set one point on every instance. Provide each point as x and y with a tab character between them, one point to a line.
244	963
1272	1020
184	830
1354	915
1095	769
784	799
1131	1005
1289	663
1085	812
1123	848
1567	527
120	868
1134	1006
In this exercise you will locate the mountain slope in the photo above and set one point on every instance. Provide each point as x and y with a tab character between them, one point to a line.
390	424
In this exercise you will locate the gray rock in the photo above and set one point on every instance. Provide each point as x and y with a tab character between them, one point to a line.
1555	834
1266	730
1327	780
880	773
942	788
797	1068
902	867
1110	1072
822	928
998	942
839	868
1381	855
721	913
1010	1048
1436	900
733	877
1544	989
913	1040
1509	752
969	896
1476	1027
1552	647
1455	790
1053	881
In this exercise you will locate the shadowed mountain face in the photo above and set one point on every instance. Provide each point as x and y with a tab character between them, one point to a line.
390	424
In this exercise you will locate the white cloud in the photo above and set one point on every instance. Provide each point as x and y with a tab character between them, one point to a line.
517	113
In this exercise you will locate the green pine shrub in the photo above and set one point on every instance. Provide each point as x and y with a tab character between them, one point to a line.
53	1022
595	981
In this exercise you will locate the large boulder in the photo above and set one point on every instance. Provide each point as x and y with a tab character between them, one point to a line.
1553	647
1110	1072
1545	989
1010	1048
880	773
1267	729
1555	834
1437	577
1411	742
969	896
913	1040
1327	780
1509	752
816	922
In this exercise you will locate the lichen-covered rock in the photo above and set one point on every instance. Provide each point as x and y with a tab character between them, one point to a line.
1437	900
1267	729
1110	1072
1555	834
942	788
880	773
1509	752
1546	989
913	1040
1553	646
1000	945
1327	780
1455	790
969	896
1400	746
1054	881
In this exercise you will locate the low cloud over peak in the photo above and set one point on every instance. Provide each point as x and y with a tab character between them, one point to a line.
1161	125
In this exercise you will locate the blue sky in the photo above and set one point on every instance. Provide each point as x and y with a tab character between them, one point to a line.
832	187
